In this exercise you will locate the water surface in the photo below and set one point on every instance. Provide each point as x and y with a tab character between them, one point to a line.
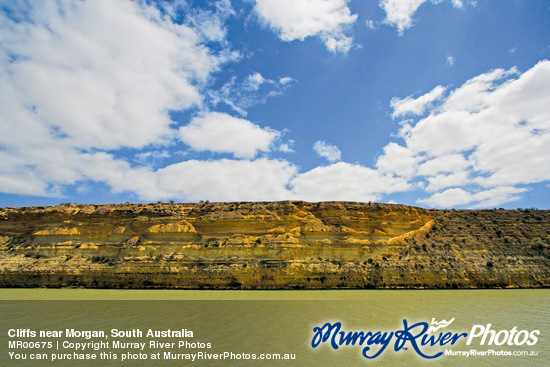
278	321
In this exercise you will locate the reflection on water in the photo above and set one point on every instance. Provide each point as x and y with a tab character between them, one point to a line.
279	321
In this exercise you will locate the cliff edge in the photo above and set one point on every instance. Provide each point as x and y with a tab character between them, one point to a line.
272	245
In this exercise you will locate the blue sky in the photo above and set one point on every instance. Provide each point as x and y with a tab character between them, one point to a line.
442	104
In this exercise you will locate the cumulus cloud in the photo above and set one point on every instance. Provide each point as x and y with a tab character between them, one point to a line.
81	102
397	160
483	142
68	85
223	133
442	164
226	180
328	151
73	94
345	181
449	198
485	198
399	13
442	181
103	98
297	20
415	106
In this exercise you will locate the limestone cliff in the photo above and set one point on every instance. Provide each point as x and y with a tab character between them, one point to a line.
272	245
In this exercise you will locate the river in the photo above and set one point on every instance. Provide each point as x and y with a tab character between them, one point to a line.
262	324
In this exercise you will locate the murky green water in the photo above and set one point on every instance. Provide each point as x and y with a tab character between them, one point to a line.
280	322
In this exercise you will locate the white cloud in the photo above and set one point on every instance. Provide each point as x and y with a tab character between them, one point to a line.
345	181
474	95
285	80
325	150
443	164
484	141
254	81
399	13
193	180
371	24
151	157
415	106
255	180
89	76
448	198
442	181
207	19
297	20
209	24
226	180
253	90
103	97
457	3
450	60
498	195
231	95
222	133
287	147
74	95
487	198
397	160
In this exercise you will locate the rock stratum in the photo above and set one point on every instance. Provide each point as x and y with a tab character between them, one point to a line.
272	245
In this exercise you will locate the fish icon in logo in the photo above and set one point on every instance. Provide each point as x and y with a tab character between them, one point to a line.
439	325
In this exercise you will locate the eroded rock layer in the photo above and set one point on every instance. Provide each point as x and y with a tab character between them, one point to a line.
272	245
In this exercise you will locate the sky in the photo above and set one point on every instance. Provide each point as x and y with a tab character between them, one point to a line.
430	103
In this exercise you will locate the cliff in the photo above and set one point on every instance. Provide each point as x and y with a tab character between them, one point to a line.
272	245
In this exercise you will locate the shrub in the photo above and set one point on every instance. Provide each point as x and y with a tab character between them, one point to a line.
151	251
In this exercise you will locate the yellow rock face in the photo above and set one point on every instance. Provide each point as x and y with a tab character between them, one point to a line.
172	228
272	245
58	232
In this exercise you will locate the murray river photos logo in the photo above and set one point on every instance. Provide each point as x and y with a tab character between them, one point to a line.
421	337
